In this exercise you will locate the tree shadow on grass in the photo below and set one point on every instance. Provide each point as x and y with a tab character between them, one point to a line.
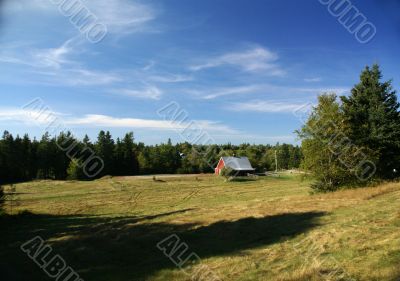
125	248
243	179
397	278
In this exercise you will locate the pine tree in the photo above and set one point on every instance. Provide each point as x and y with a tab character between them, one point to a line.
372	112
105	150
130	164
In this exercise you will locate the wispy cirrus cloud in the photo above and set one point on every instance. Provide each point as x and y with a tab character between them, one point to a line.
19	115
54	66
170	78
62	66
30	116
220	92
25	54
80	76
313	79
99	120
21	5
255	59
336	90
266	106
119	16
123	16
53	57
148	92
262	89
96	120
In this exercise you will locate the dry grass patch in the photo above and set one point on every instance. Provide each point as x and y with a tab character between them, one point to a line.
269	229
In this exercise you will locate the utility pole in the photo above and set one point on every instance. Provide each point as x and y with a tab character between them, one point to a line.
276	161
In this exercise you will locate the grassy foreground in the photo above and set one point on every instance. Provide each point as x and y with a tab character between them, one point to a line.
268	229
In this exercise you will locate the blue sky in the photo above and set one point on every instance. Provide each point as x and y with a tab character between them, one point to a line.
238	68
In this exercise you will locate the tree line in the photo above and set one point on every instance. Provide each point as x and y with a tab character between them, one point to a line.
354	140
23	158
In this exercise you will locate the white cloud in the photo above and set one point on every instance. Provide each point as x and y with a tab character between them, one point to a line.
119	16
82	77
53	57
27	5
149	65
266	106
150	92
171	78
336	90
213	126
45	58
40	116
254	138
261	89
38	58
215	93
43	118
312	80
122	16
253	60
96	120
55	66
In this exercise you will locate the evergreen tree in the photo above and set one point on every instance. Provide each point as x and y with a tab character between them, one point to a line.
105	150
47	155
67	147
372	113
118	159
294	157
145	161
130	164
283	156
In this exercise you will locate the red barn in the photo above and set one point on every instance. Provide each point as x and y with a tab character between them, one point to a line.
241	165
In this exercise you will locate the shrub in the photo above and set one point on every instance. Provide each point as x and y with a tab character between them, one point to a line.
75	170
2	198
227	173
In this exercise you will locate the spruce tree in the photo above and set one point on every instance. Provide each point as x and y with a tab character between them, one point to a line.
372	113
105	150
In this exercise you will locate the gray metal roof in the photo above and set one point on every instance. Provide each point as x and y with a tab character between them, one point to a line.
238	163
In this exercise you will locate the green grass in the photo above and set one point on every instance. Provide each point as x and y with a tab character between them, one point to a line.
267	229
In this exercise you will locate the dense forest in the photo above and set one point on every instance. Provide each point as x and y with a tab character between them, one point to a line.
63	157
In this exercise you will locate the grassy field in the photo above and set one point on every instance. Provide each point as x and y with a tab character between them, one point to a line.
265	229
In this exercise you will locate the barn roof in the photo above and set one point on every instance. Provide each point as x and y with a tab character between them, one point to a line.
238	163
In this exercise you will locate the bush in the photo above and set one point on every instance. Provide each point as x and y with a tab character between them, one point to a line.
227	173
75	170
2	197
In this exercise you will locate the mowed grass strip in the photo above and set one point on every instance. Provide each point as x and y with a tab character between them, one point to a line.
264	229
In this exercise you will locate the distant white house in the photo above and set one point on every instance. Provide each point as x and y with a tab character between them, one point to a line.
241	165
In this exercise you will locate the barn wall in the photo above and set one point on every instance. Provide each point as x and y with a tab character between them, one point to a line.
219	167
